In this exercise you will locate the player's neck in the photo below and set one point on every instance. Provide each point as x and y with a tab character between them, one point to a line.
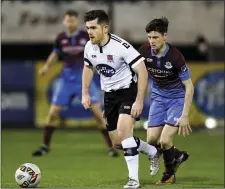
105	40
72	32
161	50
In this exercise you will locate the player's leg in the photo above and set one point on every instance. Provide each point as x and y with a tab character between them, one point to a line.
101	125
166	142
131	145
97	112
174	111
157	114
60	98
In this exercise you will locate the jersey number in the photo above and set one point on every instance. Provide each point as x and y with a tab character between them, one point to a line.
126	45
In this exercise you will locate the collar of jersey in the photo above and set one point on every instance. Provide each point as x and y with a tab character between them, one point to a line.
164	53
107	41
74	34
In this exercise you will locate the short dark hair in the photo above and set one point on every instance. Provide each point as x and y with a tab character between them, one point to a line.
159	24
71	12
99	14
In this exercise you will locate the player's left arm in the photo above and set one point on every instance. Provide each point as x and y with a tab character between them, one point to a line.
136	62
185	76
189	92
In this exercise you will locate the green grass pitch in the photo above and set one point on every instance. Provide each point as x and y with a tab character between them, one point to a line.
79	160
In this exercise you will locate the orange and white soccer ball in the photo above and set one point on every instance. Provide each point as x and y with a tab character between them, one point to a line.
28	175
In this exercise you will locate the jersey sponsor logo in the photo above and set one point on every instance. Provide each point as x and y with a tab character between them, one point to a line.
105	70
64	41
209	94
159	71
168	65
93	56
74	50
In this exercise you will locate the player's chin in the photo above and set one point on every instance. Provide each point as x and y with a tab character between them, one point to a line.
154	47
93	41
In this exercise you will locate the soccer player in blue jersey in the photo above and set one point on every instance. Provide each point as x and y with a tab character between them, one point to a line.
172	94
70	46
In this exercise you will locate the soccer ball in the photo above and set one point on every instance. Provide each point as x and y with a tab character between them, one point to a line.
28	175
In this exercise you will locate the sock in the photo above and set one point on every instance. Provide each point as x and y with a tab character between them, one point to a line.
158	147
145	148
48	135
131	156
178	153
168	156
106	137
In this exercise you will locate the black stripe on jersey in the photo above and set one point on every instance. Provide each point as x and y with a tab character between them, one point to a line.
135	60
88	61
116	39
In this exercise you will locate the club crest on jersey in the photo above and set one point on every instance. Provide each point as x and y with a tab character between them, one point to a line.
168	65
110	58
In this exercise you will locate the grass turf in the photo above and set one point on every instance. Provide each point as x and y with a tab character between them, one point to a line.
79	160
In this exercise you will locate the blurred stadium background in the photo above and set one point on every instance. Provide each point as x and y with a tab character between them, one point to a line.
28	30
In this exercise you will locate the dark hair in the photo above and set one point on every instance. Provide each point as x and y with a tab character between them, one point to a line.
71	12
160	25
99	14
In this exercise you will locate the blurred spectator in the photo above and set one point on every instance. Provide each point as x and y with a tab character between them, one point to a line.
202	49
126	34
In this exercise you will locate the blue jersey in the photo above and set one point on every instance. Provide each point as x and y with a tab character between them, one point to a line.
70	48
167	72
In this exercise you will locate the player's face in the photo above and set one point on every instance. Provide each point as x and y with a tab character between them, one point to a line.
96	31
70	23
156	39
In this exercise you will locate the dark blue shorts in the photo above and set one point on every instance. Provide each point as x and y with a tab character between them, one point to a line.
164	111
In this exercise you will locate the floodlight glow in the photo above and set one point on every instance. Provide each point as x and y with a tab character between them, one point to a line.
211	123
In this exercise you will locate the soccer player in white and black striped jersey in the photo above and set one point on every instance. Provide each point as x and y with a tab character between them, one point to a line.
124	79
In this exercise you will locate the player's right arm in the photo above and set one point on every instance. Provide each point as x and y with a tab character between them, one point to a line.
52	58
87	77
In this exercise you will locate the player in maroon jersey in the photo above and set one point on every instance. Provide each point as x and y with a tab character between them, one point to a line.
69	45
172	94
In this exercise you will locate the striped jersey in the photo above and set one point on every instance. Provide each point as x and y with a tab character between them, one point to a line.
114	62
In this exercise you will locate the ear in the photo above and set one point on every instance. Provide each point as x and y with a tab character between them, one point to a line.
105	28
165	36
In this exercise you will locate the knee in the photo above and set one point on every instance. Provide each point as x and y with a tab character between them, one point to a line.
117	146
52	116
152	140
165	142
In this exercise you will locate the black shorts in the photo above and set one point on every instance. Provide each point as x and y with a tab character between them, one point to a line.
118	102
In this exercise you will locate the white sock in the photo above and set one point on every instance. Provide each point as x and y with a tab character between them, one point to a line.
132	161
146	148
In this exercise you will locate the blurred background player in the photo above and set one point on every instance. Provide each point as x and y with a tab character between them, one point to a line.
70	46
172	93
117	63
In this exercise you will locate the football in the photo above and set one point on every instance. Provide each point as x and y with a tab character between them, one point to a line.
28	175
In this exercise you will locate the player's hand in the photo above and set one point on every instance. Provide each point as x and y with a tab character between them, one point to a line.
43	70
184	126
86	101
137	108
